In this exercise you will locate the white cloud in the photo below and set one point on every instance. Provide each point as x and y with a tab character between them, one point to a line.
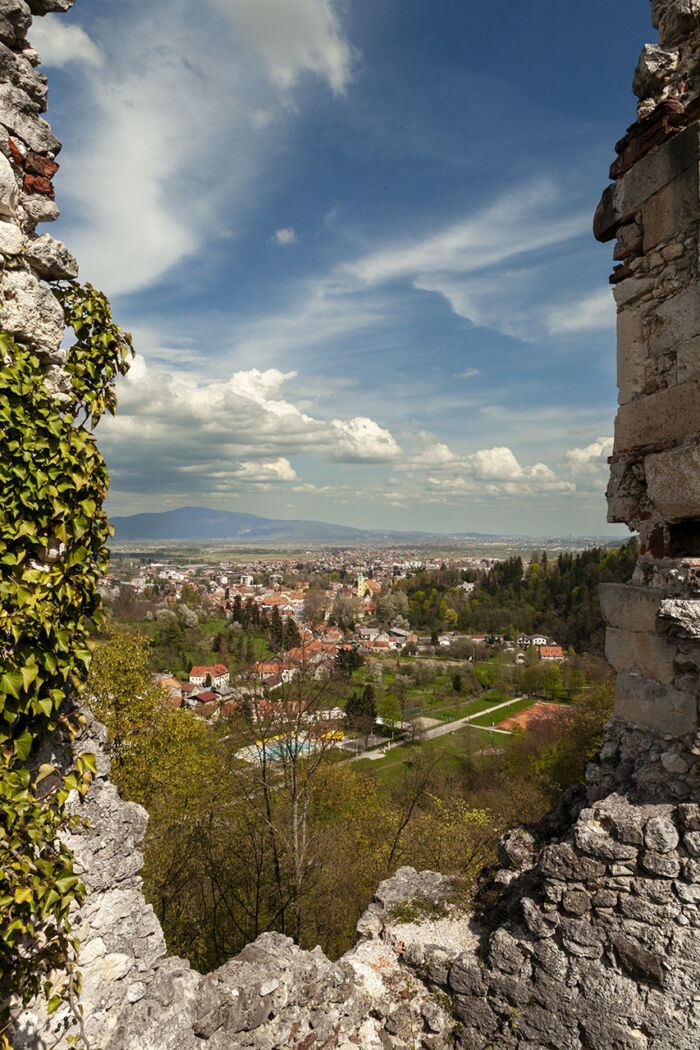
174	428
294	37
180	101
361	439
308	486
593	311
590	463
287	235
468	373
517	223
277	470
434	455
60	44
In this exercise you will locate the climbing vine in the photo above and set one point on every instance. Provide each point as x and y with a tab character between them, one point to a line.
53	535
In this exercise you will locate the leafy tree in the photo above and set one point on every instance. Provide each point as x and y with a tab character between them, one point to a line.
188	595
276	630
291	638
315	605
347	661
390	711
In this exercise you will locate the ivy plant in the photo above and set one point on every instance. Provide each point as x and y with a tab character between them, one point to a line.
53	535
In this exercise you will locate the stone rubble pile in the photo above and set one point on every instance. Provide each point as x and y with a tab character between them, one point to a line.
588	936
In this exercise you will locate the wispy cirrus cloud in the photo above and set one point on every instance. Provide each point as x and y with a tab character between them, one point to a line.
596	310
511	226
142	179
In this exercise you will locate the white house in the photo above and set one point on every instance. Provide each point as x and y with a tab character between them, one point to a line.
218	676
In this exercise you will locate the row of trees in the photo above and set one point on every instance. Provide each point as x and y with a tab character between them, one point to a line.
557	596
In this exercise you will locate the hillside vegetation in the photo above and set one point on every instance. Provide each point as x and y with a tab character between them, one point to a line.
556	596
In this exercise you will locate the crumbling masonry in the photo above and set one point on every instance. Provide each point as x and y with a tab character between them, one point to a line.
595	940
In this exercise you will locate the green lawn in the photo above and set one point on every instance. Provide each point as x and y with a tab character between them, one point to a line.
506	712
450	750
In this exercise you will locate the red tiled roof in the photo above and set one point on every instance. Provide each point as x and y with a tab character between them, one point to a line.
214	671
551	651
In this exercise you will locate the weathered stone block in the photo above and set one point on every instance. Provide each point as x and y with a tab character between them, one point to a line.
18	16
681	616
52	259
652	654
664	416
632	289
675	19
631	353
629	607
673	482
660	835
9	194
688	360
16	114
675	321
646	703
11	239
44	7
647	177
31	312
591	837
669	210
655	67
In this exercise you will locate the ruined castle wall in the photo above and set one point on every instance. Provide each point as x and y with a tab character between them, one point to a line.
28	151
589	934
652	210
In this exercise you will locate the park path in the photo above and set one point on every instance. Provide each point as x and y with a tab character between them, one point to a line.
443	730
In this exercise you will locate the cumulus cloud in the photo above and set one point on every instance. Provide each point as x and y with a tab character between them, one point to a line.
287	235
278	470
362	440
212	440
593	311
214	436
60	44
434	455
589	465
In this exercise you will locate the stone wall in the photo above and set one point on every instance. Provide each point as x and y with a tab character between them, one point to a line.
28	151
588	935
652	209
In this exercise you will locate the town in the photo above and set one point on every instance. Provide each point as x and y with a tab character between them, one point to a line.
232	638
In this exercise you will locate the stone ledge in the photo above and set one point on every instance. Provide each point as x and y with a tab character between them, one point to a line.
644	702
677	156
667	415
673	482
629	607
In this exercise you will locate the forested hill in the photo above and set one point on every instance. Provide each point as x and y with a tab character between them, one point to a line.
556	596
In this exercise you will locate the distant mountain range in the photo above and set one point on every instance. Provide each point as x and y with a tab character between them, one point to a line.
201	524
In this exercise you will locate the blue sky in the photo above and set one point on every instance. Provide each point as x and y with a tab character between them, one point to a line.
352	241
